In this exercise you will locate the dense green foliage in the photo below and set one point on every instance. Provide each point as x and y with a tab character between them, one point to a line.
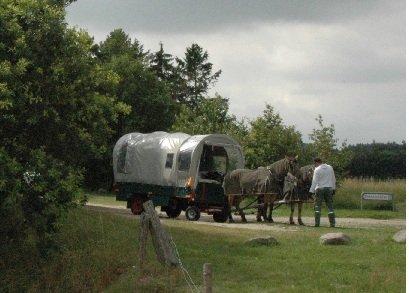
269	140
210	116
379	160
150	105
33	195
53	119
324	146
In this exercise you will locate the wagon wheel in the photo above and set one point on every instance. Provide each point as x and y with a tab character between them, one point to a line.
192	213
173	209
137	205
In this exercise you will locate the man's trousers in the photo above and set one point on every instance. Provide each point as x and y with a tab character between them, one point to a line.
324	194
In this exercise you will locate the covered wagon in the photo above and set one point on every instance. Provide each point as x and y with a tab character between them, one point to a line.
176	171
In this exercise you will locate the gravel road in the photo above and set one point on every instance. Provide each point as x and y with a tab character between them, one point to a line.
280	223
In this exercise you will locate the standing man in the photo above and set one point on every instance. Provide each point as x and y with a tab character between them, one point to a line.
323	185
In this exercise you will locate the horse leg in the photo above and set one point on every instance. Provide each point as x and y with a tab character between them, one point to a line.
230	203
259	209
265	207
300	222
243	216
292	206
270	207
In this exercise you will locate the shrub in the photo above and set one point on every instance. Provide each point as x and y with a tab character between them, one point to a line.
33	195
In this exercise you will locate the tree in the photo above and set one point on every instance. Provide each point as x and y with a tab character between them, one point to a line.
54	121
51	86
379	160
148	98
324	145
161	63
193	76
118	43
323	139
210	116
270	140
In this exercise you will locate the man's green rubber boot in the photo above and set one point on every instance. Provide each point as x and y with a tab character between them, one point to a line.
317	219
331	218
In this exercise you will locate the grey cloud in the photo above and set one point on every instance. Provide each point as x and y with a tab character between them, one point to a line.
342	59
181	16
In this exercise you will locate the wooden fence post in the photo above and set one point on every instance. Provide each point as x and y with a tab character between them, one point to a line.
207	278
162	242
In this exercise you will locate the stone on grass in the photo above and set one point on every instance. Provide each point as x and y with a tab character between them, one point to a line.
335	239
400	236
262	241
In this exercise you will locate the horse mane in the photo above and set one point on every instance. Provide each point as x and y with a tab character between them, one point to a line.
280	167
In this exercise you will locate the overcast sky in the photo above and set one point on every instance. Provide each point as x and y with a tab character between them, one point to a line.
342	59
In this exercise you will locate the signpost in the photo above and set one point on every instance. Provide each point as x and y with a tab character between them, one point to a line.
383	196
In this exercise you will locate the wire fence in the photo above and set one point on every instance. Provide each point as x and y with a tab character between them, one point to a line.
188	279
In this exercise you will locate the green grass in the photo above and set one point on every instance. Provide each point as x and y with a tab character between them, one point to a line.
99	252
349	193
104	199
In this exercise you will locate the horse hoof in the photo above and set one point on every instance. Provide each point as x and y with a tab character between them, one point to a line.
292	223
270	220
231	221
244	221
259	220
301	223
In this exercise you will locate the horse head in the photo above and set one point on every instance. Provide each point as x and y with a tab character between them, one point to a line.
307	172
293	167
290	183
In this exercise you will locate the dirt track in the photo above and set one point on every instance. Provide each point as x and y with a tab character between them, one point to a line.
280	223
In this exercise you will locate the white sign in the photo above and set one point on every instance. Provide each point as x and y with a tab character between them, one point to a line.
377	196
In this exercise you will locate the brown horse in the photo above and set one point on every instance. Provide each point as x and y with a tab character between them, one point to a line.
289	186
266	182
301	190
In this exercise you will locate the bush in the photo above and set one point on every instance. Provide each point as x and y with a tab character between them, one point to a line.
33	195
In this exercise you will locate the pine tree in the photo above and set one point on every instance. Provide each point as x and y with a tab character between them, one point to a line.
161	63
193	76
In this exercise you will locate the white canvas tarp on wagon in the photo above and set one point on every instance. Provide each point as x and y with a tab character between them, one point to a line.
168	159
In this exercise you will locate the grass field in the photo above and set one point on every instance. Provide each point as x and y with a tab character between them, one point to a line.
346	200
348	195
99	252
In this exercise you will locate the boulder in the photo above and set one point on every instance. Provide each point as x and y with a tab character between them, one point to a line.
262	241
335	239
400	236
